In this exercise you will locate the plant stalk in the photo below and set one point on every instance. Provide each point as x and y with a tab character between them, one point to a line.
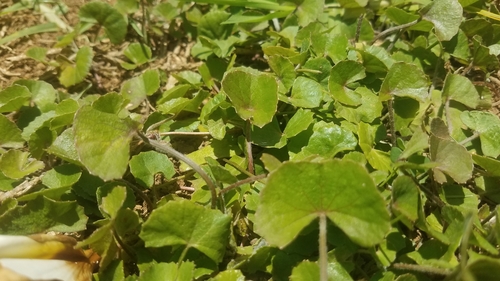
248	142
323	249
167	149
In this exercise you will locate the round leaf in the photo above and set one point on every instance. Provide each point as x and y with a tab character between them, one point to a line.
306	93
446	15
74	74
145	165
138	88
298	192
343	73
488	127
16	165
114	23
102	142
254	94
459	88
13	97
186	223
405	80
11	134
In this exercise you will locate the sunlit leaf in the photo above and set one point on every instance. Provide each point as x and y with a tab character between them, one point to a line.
102	142
145	165
254	94
183	223
339	189
114	23
446	15
75	73
488	127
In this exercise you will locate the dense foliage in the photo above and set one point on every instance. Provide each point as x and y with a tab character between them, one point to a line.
321	140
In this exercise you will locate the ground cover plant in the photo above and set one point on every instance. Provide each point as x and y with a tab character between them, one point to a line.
256	140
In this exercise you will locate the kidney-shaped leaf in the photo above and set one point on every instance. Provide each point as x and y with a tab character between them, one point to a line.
102	142
74	74
453	159
254	94
13	97
138	88
488	127
15	164
341	75
446	15
299	192
459	88
306	93
186	223
145	165
405	80
111	19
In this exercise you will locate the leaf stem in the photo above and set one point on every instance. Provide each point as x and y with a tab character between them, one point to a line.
421	268
151	204
241	182
448	116
392	130
167	149
248	142
358	28
394	29
323	249
471	138
185	134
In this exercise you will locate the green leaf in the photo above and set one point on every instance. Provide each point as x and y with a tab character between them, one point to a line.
269	135
11	134
210	25
484	268
102	241
13	97
369	109
331	44
75	73
113	197
254	94
299	122
491	166
43	215
169	272
488	127
306	93
229	275
378	159
405	80
459	88
106	153
308	270
453	159
308	11
460	197
145	165
405	199
342	74
138	54
15	164
328	139
285	71
183	223
138	88
446	15
340	189
62	176
64	147
43	93
114	23
418	142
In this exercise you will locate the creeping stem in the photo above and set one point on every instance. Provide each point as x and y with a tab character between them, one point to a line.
167	149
